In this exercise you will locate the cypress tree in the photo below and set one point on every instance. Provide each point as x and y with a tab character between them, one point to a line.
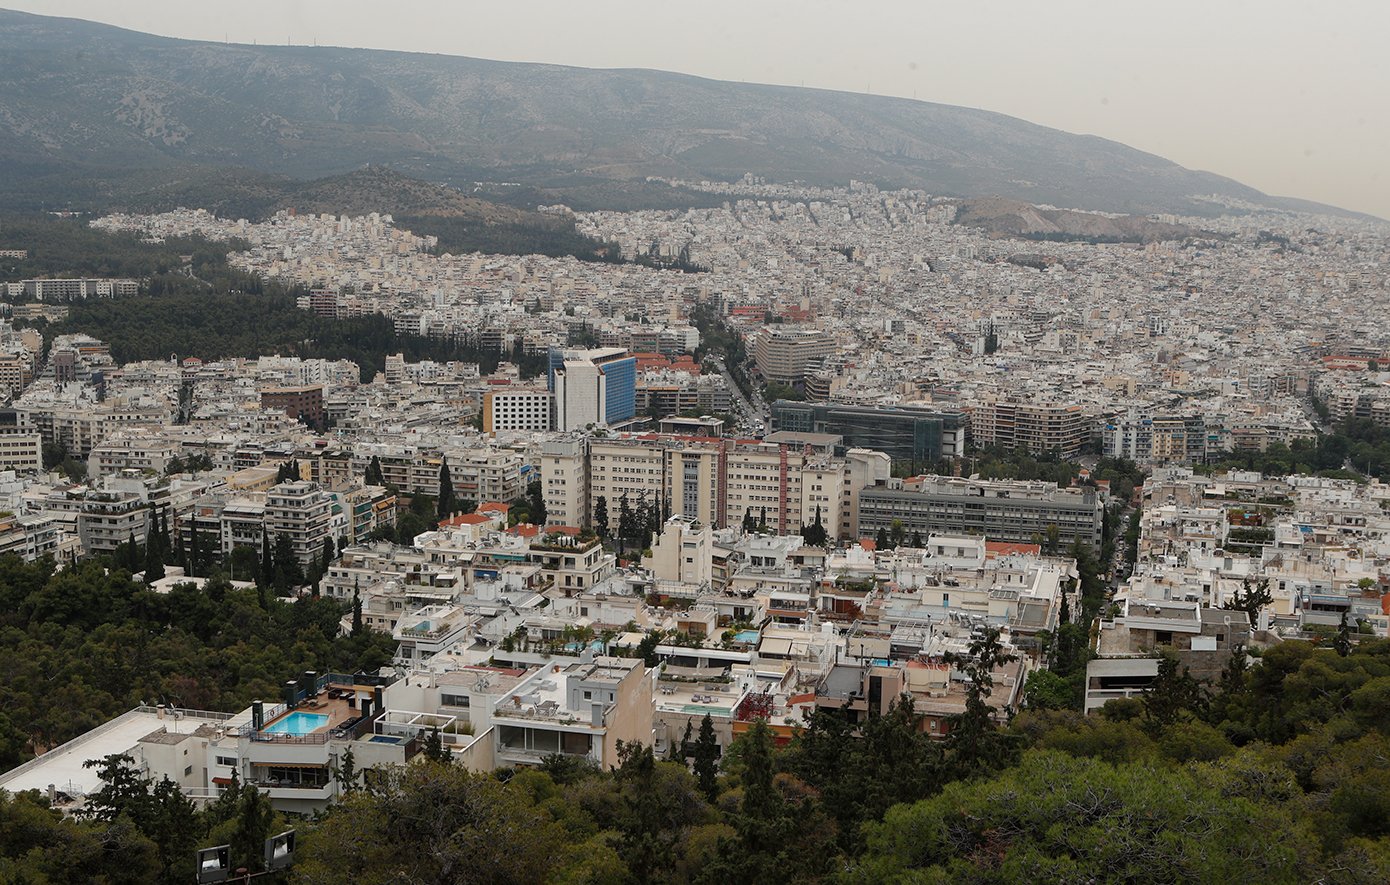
267	559
446	491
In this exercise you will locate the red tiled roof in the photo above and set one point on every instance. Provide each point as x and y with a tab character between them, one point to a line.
1005	548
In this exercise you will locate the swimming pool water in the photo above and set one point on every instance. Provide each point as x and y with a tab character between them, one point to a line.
746	636
297	723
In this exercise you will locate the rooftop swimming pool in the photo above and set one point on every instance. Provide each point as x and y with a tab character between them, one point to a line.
297	723
746	636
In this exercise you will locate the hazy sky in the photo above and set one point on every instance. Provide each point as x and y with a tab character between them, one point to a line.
1288	96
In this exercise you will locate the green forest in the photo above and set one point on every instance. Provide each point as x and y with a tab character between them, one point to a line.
219	325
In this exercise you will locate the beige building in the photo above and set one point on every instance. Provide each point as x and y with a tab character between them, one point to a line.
1038	427
716	482
564	482
683	552
784	355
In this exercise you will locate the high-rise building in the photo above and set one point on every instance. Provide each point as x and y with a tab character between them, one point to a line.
592	387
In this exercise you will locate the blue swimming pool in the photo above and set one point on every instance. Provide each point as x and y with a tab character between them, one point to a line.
746	636
297	723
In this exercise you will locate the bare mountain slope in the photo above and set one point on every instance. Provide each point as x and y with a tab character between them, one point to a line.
74	93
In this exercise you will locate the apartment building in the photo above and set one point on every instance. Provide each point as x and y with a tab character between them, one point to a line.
717	481
304	404
1036	427
564	473
582	709
21	449
517	408
301	512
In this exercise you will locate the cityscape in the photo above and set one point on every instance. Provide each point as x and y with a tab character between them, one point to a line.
812	532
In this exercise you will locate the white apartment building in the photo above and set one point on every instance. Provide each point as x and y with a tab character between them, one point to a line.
301	511
564	482
521	408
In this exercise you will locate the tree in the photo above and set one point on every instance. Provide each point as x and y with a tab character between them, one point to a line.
288	571
536	493
1057	818
267	577
881	541
446	491
439	824
601	517
374	476
707	759
750	525
356	613
815	534
154	563
897	533
646	649
1170	694
434	749
973	740
626	527
1251	599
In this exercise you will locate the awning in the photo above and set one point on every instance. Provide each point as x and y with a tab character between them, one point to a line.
224	781
775	647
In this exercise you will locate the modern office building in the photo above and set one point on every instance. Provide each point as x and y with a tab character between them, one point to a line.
999	510
592	387
785	355
904	434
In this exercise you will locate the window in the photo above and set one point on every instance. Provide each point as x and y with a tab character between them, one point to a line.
227	761
453	700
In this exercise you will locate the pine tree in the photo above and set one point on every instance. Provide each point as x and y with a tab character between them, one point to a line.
356	612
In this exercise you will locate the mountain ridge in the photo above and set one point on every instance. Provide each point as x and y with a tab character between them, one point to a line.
121	99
